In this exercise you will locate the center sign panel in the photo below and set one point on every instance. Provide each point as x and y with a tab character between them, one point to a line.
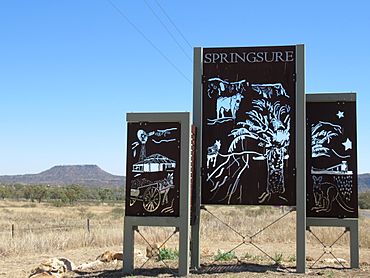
153	169
248	125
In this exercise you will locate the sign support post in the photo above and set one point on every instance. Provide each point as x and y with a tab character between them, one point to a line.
301	162
349	223
197	120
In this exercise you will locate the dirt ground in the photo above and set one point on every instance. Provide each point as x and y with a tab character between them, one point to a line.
252	259
252	266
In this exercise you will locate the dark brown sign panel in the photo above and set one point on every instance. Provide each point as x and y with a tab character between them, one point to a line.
153	169
331	160
248	131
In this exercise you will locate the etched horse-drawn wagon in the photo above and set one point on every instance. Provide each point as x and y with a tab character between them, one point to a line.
151	194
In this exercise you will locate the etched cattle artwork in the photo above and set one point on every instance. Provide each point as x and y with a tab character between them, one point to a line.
226	104
212	153
228	95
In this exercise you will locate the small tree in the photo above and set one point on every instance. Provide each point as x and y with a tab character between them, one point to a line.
73	193
58	194
39	192
17	191
5	192
105	194
28	193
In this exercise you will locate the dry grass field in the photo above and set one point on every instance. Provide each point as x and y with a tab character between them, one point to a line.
42	231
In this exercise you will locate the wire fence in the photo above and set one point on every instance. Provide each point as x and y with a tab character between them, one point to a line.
14	230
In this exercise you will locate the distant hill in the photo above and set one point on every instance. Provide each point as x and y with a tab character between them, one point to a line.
90	175
364	182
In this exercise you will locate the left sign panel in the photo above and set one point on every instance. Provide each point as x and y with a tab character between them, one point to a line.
153	169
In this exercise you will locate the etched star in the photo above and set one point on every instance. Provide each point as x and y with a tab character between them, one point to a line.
347	144
340	114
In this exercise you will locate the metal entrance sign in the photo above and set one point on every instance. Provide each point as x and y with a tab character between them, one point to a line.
332	157
249	108
153	171
249	125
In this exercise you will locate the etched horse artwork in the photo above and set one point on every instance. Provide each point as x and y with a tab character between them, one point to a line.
165	186
212	153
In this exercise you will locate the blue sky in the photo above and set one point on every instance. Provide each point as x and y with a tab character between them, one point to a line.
70	70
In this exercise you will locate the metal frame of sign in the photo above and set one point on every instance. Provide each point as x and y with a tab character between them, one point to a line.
351	224
300	152
182	220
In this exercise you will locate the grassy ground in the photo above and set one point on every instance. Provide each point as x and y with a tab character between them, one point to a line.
43	231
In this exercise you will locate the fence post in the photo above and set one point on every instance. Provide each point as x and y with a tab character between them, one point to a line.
88	225
12	231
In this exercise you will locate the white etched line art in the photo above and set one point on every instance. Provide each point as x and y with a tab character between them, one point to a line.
327	193
340	114
347	144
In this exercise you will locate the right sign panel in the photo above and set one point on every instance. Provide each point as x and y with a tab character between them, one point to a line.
331	159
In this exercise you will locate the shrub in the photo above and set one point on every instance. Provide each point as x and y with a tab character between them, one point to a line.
167	254
224	256
291	258
278	258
